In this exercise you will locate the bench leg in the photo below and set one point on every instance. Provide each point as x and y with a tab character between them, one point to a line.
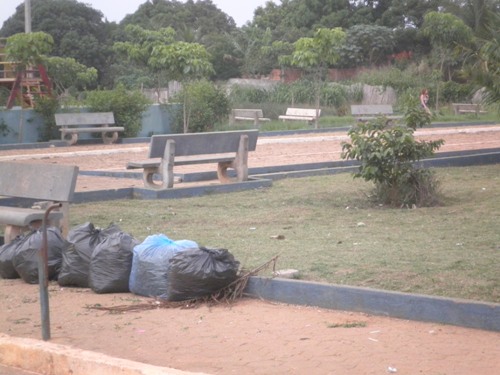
148	178
11	232
167	164
165	170
73	138
239	164
108	139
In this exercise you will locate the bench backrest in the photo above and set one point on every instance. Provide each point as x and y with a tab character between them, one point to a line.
252	113
302	112
466	105
38	181
95	118
371	109
202	143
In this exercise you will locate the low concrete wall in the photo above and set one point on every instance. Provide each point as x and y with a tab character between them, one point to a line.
53	359
26	126
464	313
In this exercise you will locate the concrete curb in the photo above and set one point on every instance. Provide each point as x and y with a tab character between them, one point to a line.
458	312
54	359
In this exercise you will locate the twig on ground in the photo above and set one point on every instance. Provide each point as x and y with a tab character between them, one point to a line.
226	295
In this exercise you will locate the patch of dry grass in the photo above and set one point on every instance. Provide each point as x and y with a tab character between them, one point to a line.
331	233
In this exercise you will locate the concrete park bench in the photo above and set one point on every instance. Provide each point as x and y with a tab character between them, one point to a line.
300	114
229	149
72	124
255	115
21	185
464	108
367	112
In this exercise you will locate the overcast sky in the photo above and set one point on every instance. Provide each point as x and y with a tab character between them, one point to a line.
116	10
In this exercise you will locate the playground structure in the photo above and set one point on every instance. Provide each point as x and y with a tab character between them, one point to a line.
24	86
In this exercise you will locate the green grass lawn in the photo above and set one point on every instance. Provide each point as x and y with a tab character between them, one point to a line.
332	233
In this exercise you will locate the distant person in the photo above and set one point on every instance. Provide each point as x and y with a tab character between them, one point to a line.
424	98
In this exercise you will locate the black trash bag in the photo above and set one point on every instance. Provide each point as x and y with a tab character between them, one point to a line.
110	264
82	240
150	265
26	256
200	272
7	251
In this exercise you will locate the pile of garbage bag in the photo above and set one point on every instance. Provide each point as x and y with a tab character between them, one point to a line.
109	260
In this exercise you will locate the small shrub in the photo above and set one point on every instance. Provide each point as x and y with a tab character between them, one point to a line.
388	153
47	107
248	94
418	187
205	106
4	128
127	107
453	92
334	95
399	80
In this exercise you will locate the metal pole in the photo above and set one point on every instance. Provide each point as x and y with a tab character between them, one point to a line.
27	16
43	276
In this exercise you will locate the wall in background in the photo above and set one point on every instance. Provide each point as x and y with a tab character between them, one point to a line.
24	125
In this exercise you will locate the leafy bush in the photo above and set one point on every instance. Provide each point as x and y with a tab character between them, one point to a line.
127	107
334	95
399	80
388	154
47	107
453	92
205	105
301	92
248	94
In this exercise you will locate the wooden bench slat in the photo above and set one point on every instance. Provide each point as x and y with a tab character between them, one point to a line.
460	108
93	130
73	124
84	118
31	182
22	217
148	163
367	112
38	181
255	115
183	160
202	143
229	149
299	114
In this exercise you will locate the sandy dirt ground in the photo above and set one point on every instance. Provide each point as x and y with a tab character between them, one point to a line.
249	336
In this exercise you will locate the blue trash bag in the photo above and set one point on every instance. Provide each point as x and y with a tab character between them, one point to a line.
150	264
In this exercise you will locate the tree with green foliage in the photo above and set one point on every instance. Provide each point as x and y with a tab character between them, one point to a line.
194	22
446	33
257	52
484	66
138	49
206	105
388	154
67	73
367	45
202	17
475	13
315	55
182	62
28	49
78	31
